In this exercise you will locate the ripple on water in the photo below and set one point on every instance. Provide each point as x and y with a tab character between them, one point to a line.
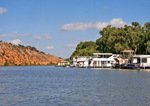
46	85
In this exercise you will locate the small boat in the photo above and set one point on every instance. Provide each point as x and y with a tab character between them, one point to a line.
129	66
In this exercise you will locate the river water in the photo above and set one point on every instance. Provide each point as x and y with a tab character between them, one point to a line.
56	86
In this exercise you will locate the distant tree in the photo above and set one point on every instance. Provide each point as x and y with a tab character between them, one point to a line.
51	63
6	64
42	52
13	62
117	39
68	59
34	62
147	26
26	64
59	57
114	40
85	49
147	45
3	53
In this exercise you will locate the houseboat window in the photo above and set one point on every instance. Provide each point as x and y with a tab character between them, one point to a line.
103	62
95	62
138	60
144	60
89	62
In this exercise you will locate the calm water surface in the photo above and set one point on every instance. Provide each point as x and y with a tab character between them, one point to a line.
55	86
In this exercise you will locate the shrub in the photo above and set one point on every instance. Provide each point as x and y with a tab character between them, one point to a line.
26	64
30	64
51	63
6	64
34	62
3	53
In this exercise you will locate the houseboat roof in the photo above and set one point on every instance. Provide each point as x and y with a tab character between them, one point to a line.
141	56
104	59
97	54
128	51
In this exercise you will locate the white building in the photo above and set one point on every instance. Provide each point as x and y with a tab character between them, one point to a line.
142	60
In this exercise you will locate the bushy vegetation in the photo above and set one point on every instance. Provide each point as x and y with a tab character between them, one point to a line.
32	48
51	63
6	64
85	49
26	64
3	53
24	47
115	40
21	46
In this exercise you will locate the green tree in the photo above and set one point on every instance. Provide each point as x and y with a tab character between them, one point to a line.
115	40
147	44
147	26
6	64
26	64
85	49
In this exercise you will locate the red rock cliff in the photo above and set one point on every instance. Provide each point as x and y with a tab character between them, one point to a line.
21	55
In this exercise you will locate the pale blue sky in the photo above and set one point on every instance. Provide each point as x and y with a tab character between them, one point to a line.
57	26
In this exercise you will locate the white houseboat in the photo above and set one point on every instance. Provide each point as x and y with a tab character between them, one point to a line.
103	60
63	63
98	60
81	61
142	60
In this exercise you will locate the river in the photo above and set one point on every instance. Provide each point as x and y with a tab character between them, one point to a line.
57	86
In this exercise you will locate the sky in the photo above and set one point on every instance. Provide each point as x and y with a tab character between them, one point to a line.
57	26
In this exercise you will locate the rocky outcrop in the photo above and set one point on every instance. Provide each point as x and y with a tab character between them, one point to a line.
24	55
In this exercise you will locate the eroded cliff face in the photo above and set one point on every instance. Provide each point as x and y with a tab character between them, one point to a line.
21	55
